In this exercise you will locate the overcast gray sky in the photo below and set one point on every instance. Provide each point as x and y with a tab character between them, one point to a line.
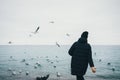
18	18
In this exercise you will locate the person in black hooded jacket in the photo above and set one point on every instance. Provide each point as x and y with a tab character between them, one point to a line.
81	56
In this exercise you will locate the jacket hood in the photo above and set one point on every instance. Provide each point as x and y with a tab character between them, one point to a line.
84	34
82	40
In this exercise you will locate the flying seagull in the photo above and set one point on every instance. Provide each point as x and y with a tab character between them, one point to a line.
36	31
51	21
10	42
67	34
57	44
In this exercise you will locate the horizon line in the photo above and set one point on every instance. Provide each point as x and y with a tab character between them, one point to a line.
52	44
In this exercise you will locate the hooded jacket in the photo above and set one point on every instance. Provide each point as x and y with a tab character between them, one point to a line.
81	55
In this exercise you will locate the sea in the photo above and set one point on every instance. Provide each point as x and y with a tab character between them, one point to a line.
26	62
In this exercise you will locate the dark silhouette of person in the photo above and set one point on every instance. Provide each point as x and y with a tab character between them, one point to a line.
81	56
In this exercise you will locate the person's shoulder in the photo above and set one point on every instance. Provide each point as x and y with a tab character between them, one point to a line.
88	44
75	43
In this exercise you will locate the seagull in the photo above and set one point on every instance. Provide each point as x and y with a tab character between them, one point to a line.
100	60
30	35
108	63
20	71
57	44
27	72
35	66
58	74
10	42
9	69
23	60
48	60
43	78
95	53
113	69
54	66
36	31
67	34
26	63
13	72
52	22
11	57
37	62
51	62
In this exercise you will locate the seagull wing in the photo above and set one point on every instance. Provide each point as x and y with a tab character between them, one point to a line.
37	29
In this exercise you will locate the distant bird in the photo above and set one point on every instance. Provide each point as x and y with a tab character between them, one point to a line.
38	64
10	42
9	69
20	71
23	60
30	35
95	53
52	22
51	62
56	56
54	66
67	34
58	74
26	63
27	72
100	60
108	63
11	57
57	44
113	69
36	31
35	66
13	72
43	78
32	58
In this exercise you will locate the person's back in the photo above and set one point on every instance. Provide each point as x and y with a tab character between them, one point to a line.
81	49
81	56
